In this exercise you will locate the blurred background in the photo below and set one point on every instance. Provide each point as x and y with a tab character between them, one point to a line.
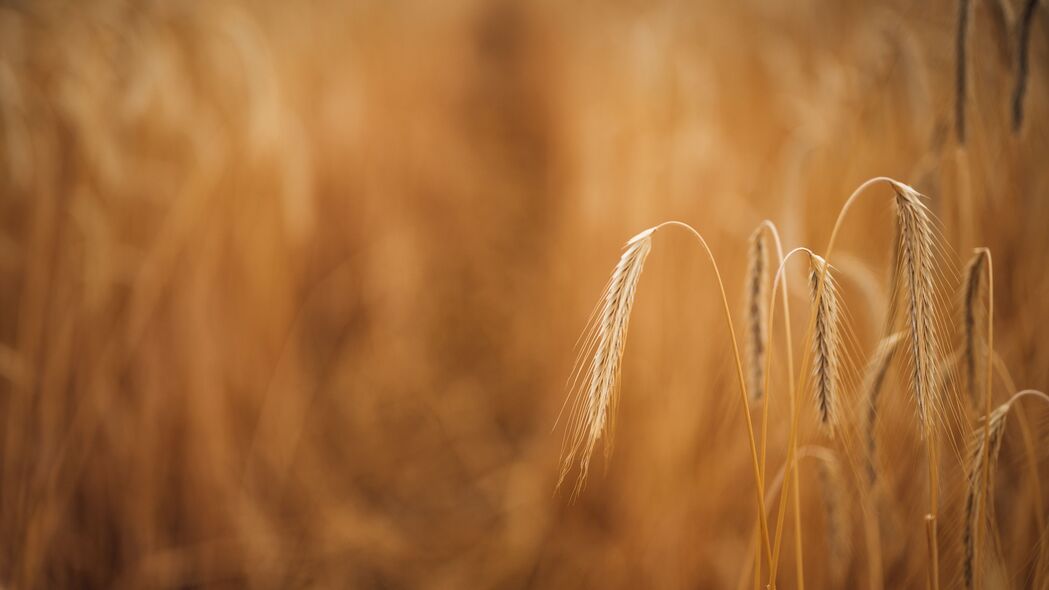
289	292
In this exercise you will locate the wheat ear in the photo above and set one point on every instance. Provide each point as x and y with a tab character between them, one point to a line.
757	311
916	260
974	316
595	385
1023	56
983	457
960	65
826	342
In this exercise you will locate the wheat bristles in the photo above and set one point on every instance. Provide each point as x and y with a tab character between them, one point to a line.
758	278
597	389
826	341
975	318
916	259
984	445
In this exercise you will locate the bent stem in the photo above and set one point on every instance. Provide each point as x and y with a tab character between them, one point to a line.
1032	467
770	228
758	475
977	533
985	471
802	381
776	486
792	440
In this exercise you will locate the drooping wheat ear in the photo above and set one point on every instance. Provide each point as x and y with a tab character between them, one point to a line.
836	513
826	341
1023	55
594	388
917	271
873	380
758	280
961	71
975	318
986	443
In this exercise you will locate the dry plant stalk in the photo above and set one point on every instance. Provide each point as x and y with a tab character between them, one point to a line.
975	319
595	385
758	280
826	342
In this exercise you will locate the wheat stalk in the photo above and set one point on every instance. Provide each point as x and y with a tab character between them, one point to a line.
826	341
595	386
757	311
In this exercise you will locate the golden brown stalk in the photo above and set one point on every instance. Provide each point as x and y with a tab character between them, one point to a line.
975	319
873	380
757	311
985	445
595	387
826	342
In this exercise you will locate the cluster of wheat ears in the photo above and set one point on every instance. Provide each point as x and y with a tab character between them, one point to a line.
916	333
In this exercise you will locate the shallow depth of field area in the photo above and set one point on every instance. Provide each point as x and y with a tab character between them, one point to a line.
337	294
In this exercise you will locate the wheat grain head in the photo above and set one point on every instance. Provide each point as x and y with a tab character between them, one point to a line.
975	319
594	386
826	341
917	273
758	280
986	443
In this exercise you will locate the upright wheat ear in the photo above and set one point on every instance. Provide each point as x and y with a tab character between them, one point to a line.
916	260
983	446
975	319
826	342
595	385
758	276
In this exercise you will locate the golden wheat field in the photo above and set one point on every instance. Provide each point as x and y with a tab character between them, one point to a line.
337	294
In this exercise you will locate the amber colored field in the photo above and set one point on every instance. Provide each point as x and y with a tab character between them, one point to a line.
290	292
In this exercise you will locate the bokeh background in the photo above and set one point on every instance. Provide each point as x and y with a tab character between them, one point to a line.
289	291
